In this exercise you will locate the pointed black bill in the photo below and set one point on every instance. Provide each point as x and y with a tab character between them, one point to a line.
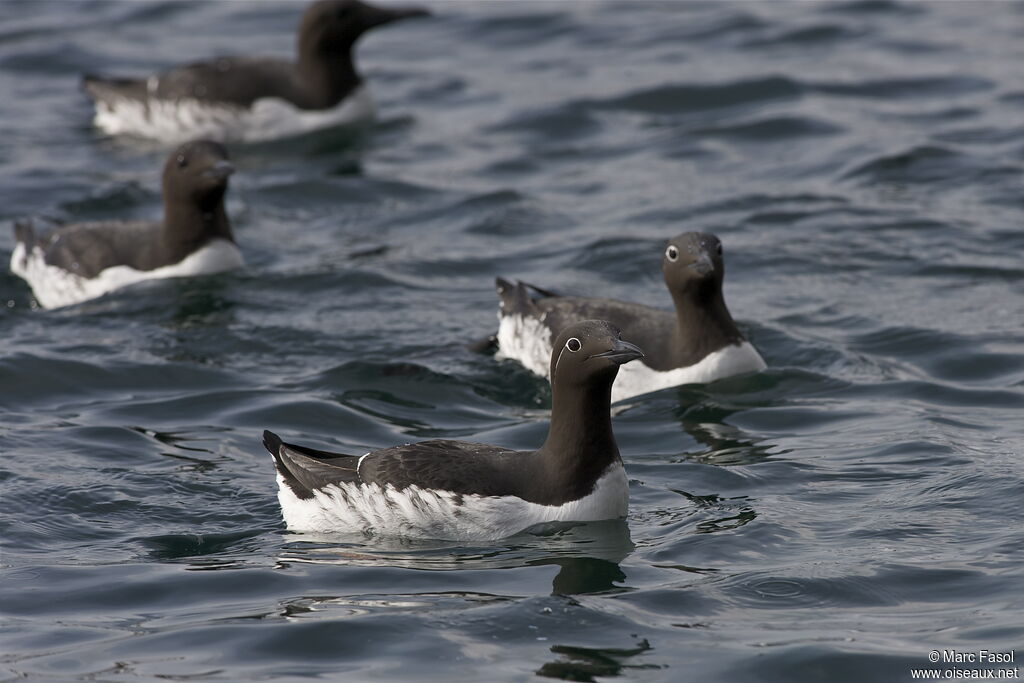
621	352
703	265
220	170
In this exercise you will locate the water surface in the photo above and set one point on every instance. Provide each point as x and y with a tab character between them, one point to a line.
835	517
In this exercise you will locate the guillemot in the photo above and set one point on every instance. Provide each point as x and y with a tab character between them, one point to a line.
252	98
81	261
470	491
697	342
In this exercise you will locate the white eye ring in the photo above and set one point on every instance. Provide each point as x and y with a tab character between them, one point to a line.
573	344
672	253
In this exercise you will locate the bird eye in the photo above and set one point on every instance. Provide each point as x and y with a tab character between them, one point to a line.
182	161
719	249
672	253
573	344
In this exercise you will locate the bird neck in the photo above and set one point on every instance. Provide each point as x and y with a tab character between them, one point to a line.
703	322
189	225
327	78
580	441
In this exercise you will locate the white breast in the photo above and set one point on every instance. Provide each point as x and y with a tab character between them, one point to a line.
636	378
54	287
176	121
527	340
424	513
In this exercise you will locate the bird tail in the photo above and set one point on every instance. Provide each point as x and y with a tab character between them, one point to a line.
272	442
25	233
515	298
509	299
105	89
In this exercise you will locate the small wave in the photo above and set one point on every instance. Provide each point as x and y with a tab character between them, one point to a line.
829	34
528	29
991	135
737	22
681	98
773	129
942	114
902	88
628	258
565	122
941	355
870	7
410	396
921	164
40	378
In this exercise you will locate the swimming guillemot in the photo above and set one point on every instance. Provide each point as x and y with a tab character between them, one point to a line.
253	98
81	261
698	342
470	491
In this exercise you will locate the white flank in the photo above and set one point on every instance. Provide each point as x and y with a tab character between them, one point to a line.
528	340
736	359
176	121
425	513
54	287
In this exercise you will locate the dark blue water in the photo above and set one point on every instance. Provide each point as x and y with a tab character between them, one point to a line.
835	518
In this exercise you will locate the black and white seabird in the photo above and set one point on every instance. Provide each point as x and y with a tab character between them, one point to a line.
81	261
253	98
470	491
696	343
